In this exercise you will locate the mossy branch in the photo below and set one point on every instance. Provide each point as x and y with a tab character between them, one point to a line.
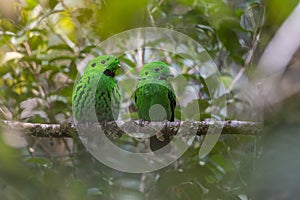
135	126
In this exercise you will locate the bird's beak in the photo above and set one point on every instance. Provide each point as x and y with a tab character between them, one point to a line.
119	70
165	76
121	67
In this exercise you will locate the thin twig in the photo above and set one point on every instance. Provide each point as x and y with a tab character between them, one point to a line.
249	59
155	8
142	184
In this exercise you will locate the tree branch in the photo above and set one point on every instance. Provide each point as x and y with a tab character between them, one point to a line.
124	127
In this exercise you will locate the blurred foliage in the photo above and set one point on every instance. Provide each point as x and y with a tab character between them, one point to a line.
280	142
41	44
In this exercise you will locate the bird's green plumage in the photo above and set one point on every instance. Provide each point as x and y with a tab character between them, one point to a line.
96	95
154	92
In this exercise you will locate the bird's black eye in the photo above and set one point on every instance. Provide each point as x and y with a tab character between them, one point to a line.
94	65
146	73
102	61
156	69
107	59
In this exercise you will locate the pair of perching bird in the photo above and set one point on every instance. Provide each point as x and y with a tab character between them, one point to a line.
153	94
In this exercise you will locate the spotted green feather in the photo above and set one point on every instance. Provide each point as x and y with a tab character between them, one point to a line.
154	90
96	95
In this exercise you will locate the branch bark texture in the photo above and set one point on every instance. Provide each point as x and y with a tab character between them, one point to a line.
132	126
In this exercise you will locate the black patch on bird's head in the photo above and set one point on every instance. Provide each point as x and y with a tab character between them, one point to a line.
93	65
146	73
102	62
156	69
107	72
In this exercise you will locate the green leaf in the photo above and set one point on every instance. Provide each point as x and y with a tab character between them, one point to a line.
76	190
204	86
35	41
228	32
37	118
222	162
40	161
52	3
33	58
59	58
171	179
87	49
4	69
72	73
84	15
196	105
51	68
31	4
226	80
60	47
128	62
59	106
66	91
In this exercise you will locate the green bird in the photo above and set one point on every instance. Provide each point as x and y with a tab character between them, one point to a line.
96	96
155	99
